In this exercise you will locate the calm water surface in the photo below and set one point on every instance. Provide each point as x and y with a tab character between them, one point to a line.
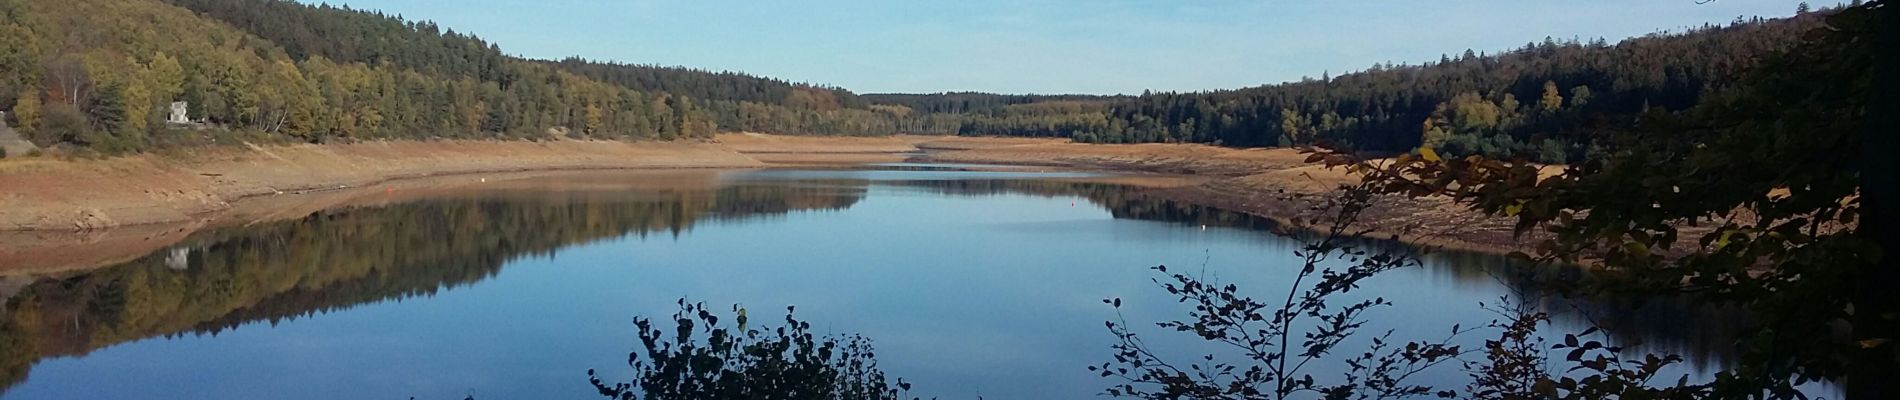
972	284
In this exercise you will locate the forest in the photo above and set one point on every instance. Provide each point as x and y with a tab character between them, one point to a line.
1550	101
100	75
1543	99
97	75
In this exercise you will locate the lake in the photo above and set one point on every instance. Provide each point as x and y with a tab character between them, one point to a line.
971	283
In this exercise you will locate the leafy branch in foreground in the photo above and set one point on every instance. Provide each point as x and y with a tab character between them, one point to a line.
1275	352
1517	367
1777	195
700	359
1515	364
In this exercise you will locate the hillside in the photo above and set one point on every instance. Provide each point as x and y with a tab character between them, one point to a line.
737	101
100	75
1549	97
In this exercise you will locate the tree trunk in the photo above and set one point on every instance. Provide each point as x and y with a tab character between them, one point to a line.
1875	372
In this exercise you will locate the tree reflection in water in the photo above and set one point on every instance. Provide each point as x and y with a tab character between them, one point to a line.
339	259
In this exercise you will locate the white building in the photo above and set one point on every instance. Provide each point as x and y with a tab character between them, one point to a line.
179	259
180	113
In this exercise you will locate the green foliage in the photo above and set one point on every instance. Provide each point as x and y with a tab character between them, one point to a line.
317	73
1381	108
63	124
1552	151
18	46
1517	364
1772	166
27	111
702	359
1044	119
1081	117
469	87
1280	338
1469	124
714	86
976	103
107	107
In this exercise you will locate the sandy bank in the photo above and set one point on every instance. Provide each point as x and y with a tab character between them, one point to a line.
1271	183
52	251
49	194
49	207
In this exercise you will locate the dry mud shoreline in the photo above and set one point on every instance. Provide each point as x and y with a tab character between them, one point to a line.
1273	183
49	194
50	208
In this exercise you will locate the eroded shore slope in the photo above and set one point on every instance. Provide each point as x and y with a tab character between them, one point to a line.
50	207
1272	183
43	193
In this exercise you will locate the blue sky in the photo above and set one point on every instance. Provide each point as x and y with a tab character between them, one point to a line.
1046	46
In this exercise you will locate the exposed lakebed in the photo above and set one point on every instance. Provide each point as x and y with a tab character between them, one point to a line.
971	283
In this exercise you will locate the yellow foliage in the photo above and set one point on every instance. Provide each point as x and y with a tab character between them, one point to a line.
167	77
27	111
593	123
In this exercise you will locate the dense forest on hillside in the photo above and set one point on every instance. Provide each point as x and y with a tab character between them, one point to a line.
990	104
1544	98
989	114
737	101
100	75
1552	101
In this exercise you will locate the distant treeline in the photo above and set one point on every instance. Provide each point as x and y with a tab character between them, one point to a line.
1546	98
101	74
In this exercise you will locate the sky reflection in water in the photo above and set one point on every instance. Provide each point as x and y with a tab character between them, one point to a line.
971	283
